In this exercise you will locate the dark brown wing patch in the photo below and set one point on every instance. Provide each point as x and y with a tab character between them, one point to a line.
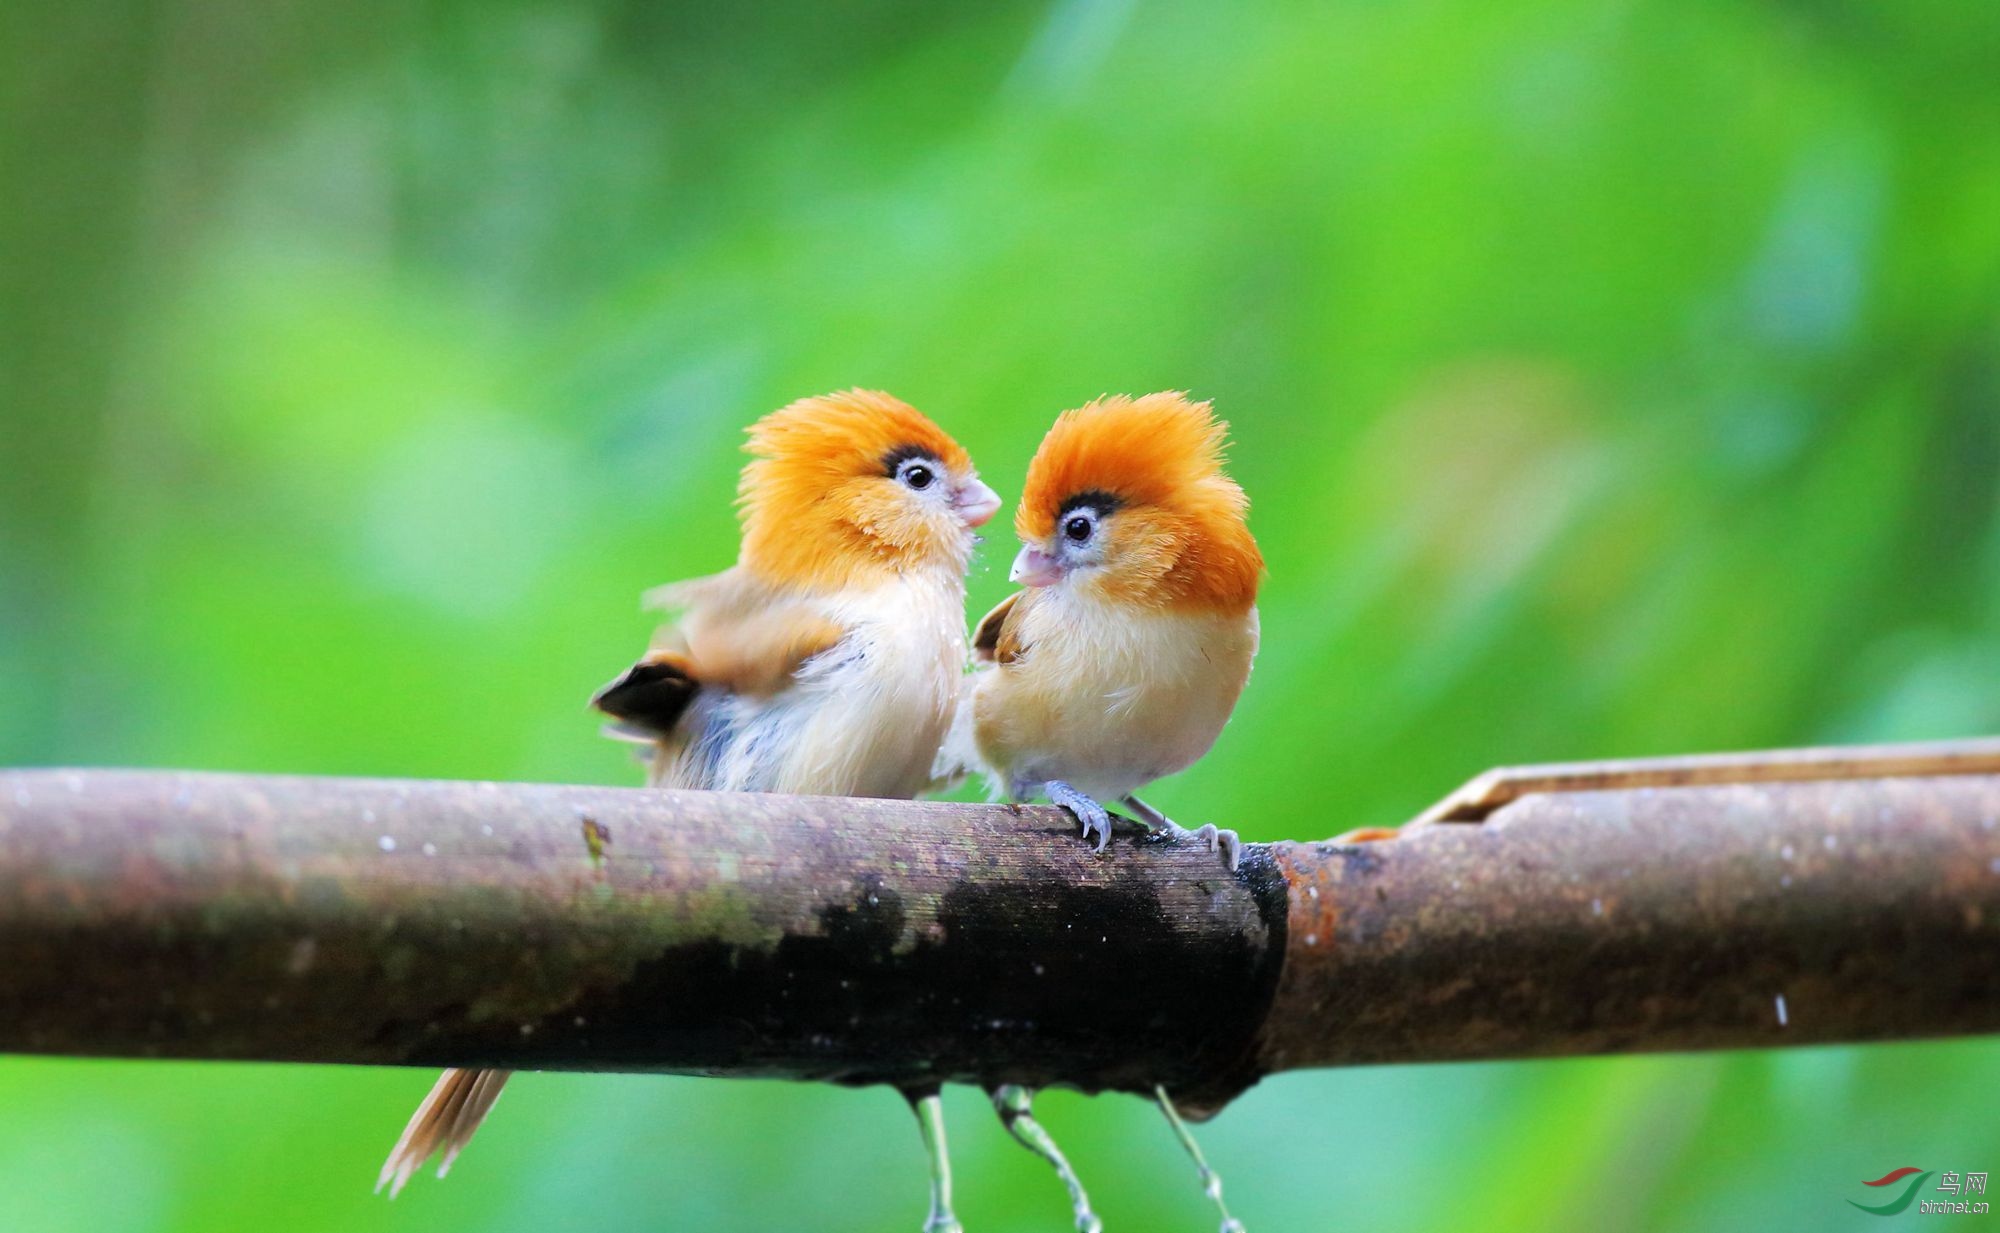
652	694
997	641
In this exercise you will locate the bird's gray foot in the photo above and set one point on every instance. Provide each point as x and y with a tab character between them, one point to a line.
1013	1103
929	1108
1096	820
1226	843
1211	1182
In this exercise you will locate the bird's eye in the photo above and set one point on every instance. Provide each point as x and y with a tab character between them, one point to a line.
917	475
1077	528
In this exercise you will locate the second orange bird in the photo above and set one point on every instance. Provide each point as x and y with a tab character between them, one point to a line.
1123	658
1125	655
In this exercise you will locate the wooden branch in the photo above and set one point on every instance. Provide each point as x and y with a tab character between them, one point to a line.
853	941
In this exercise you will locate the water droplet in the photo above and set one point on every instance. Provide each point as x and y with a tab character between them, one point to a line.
1786	851
485	828
1830	842
1784	1018
387	843
1312	939
368	817
1597	907
430	849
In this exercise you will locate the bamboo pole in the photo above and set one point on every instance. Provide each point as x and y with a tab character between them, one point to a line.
164	914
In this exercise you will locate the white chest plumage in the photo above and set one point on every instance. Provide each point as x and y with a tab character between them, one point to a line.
863	718
1108	701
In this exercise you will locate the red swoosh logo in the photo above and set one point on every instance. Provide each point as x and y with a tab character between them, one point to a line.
1897	1176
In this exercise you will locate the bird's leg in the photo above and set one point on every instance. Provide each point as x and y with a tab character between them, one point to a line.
1095	818
1211	1183
1012	1102
929	1108
1226	842
1149	817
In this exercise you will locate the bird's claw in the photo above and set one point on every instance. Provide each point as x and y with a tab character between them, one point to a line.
1093	817
1226	842
1098	824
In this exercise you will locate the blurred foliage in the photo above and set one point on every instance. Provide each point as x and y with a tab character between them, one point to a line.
1610	379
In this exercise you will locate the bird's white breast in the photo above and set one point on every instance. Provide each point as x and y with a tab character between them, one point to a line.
1109	699
866	717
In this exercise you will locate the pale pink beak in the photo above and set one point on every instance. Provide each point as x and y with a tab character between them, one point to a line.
1035	568
975	502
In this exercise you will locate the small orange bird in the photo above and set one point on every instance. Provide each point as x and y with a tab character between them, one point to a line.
1124	657
828	661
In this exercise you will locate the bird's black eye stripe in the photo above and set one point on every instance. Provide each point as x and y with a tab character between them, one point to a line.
1096	500
895	458
1080	515
912	465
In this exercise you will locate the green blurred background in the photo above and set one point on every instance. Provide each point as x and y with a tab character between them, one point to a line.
1610	379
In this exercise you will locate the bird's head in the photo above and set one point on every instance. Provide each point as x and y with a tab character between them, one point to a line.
854	483
1126	501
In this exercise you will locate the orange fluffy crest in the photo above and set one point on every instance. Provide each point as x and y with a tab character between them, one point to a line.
1160	456
809	515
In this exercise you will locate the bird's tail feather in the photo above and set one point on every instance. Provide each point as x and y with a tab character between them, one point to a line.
444	1122
651	695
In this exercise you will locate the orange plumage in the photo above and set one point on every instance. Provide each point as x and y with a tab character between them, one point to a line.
1122	660
815	513
1183	540
842	548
